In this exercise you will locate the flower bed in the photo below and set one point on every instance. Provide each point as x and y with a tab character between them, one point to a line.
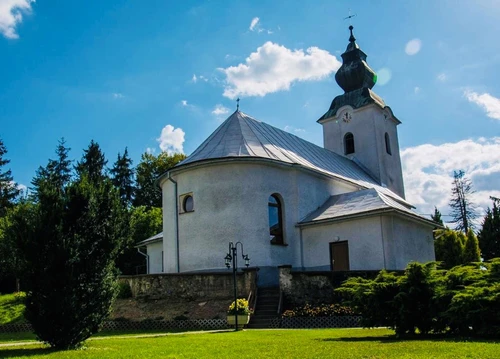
323	310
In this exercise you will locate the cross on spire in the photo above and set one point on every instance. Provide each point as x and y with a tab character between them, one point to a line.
349	17
238	104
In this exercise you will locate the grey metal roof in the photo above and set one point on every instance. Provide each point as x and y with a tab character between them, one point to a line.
243	136
358	202
156	238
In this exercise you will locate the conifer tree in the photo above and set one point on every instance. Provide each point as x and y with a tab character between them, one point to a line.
122	176
70	241
449	247
463	210
436	217
8	188
489	236
93	163
57	171
471	248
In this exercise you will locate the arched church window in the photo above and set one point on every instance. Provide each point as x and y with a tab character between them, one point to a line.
187	203
348	143
387	144
275	220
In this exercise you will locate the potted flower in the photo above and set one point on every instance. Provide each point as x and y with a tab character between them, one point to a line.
242	310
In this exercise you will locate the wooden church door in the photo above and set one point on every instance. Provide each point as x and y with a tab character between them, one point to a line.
339	256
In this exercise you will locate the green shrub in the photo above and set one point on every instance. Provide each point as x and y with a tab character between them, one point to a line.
374	299
124	290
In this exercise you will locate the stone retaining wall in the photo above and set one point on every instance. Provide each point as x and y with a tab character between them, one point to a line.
301	287
191	286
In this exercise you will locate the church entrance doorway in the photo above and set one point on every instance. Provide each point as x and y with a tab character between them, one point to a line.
339	256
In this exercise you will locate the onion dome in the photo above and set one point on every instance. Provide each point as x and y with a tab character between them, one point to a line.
354	73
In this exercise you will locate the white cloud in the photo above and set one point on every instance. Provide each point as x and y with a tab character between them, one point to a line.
151	150
294	129
220	110
416	90
171	139
254	23
442	77
194	78
428	172
413	47
117	95
11	14
274	68
184	103
489	103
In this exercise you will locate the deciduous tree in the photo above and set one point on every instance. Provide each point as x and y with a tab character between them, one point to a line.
148	170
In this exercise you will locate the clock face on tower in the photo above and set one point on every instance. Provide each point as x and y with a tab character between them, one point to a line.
346	117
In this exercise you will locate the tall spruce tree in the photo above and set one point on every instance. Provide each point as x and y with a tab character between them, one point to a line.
93	163
70	241
8	188
58	171
122	176
489	235
147	171
463	210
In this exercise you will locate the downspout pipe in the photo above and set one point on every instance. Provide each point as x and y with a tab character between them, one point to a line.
147	259
176	221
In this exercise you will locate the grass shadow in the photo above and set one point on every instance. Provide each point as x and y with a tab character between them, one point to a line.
394	339
24	352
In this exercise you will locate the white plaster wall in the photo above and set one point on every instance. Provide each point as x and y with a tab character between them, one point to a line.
368	126
364	236
230	204
407	241
154	251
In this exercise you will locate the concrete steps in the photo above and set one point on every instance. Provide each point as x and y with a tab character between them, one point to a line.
266	308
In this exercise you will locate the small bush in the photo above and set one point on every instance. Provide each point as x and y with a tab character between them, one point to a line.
124	290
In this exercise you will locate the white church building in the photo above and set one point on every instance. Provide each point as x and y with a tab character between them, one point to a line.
290	202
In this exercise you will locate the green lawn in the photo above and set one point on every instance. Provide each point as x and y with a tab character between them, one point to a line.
11	309
316	343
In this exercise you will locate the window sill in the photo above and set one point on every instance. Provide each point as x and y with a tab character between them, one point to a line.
279	244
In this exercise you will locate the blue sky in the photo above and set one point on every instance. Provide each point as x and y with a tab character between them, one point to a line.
167	74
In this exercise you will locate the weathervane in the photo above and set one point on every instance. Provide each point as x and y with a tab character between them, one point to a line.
349	17
238	104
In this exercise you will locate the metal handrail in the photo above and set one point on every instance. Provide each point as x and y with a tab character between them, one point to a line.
280	304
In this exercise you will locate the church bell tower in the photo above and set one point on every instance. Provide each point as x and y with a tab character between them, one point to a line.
359	125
